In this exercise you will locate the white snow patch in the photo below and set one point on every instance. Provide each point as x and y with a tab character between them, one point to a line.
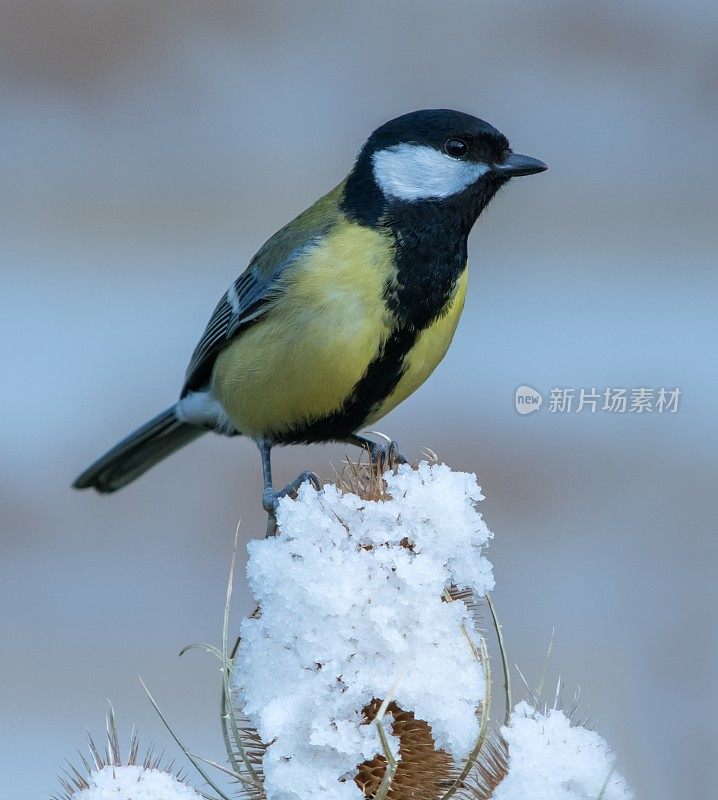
349	614
549	759
134	783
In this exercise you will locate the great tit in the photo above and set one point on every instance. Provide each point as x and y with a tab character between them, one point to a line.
345	311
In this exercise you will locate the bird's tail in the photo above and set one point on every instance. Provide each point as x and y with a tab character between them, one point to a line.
133	456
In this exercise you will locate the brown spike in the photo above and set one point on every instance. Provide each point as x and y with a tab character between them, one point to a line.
491	768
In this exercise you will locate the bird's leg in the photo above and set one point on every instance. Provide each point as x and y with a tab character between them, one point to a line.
265	449
383	455
270	498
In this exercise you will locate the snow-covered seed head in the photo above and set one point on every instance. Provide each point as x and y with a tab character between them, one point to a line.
108	774
359	605
545	754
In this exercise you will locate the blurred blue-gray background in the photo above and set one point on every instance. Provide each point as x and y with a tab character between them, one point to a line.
148	148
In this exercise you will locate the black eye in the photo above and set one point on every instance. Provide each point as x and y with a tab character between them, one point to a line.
456	148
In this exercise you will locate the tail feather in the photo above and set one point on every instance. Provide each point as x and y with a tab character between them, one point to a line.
133	456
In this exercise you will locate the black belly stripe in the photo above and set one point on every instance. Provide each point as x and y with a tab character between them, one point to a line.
385	371
379	381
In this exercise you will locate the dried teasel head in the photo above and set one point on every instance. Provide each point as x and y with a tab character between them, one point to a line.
75	780
492	764
423	770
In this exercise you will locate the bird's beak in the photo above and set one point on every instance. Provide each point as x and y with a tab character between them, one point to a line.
516	165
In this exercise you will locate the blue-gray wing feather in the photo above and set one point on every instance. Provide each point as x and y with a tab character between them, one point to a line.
249	297
228	317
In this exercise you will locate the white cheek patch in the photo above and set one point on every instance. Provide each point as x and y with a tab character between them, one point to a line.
416	172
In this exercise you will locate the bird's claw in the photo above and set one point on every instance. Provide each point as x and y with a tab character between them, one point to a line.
270	498
386	456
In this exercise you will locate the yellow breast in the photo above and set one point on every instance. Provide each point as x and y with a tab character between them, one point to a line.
430	347
328	321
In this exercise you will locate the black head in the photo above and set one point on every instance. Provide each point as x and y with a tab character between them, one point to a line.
435	157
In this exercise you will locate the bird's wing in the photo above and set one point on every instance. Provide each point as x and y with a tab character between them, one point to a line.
249	297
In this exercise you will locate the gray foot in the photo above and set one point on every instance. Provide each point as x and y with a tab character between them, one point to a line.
270	498
383	456
386	455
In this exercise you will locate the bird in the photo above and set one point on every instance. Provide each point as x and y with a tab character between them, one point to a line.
345	311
